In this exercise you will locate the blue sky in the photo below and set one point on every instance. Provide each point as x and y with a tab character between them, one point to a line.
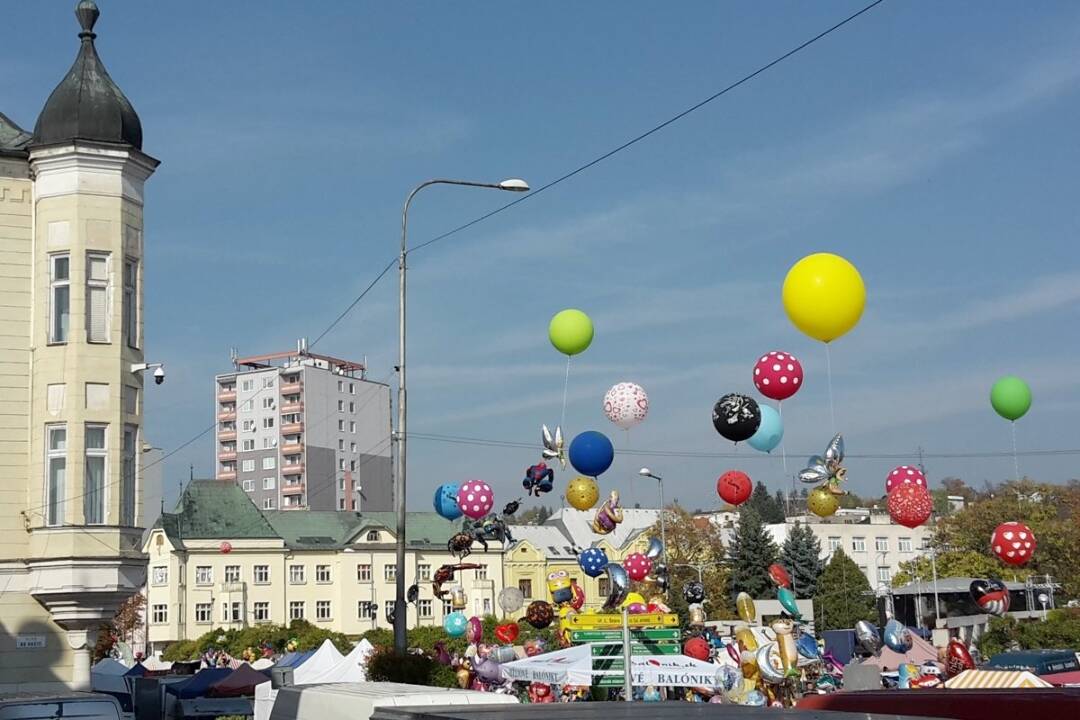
933	145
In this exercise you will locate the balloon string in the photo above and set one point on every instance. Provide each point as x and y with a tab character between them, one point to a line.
1016	462
783	449
828	372
566	384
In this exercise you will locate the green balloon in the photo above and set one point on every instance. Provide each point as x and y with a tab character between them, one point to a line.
1011	397
570	331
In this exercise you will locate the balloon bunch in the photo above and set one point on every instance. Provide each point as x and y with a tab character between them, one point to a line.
828	472
909	500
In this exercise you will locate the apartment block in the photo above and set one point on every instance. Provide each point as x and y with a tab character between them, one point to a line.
301	431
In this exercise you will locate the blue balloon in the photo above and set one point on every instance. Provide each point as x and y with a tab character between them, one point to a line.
807	647
593	561
897	636
770	432
455	624
446	501
591	453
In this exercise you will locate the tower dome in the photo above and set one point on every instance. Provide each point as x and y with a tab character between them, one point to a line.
87	104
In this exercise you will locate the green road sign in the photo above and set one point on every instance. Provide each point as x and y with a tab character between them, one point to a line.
660	648
582	636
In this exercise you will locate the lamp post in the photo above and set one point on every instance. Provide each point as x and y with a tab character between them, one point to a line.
511	185
646	472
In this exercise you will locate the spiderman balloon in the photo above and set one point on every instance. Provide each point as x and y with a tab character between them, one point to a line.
539	479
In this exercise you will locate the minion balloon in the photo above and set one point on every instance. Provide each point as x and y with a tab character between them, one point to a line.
558	584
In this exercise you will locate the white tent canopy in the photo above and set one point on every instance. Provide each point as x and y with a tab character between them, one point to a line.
350	669
324	662
573	666
107	675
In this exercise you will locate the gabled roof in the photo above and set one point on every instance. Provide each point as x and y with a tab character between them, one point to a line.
214	509
13	139
547	539
567	529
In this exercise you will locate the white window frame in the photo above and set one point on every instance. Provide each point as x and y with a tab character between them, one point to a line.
390	573
160	575
363	572
352	389
858	544
341	406
269	483
373	536
352	447
424	608
249	484
104	286
323	611
269	463
881	544
55	284
341	444
247	425
55	455
388	607
447	608
905	544
232	574
423	571
268	423
247	465
204	613
204	574
261	611
130	308
297	575
297	609
322	574
481	572
247	385
834	543
341	425
159	614
101	453
260	574
883	575
247	445
352	427
268	402
268	503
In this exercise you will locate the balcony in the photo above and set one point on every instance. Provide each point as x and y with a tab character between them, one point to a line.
292	428
226	395
292	448
224	435
233	587
292	489
293	407
297	469
291	388
226	475
226	415
225	455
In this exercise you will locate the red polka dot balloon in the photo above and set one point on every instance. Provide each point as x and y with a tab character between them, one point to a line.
475	498
904	475
734	487
910	505
778	375
637	566
1013	543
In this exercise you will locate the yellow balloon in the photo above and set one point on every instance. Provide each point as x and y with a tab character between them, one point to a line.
745	605
745	638
582	493
824	296
821	502
632	598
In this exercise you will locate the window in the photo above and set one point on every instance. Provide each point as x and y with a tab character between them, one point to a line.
204	575
59	298
268	403
352	447
352	389
249	485
296	574
269	442
340	444
296	609
340	386
487	606
268	422
881	544
883	575
423	572
269	483
525	586
232	573
834	543
363	573
269	463
341	464
858	544
161	575
341	503
905	545
128	468
248	466
322	573
603	586
247	405
248	425
261	574
247	446
97	298
481	572
352	427
268	382
232	612
389	573
247	385
159	614
352	407
447	608
373	536
423	608
94	490
203	613
322	609
341	425
268	503
352	465
341	406
262	612
57	471
131	305
388	609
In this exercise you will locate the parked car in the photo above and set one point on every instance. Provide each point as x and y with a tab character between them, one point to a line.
74	705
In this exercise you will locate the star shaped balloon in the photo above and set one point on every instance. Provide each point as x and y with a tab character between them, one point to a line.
554	445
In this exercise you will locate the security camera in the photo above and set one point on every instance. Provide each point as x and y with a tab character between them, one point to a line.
159	375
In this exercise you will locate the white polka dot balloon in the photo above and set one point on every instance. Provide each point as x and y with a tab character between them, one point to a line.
475	498
778	375
904	475
637	566
626	404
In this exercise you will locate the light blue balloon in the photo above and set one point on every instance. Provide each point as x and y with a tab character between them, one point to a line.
770	432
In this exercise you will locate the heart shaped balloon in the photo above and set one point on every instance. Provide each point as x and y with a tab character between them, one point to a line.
507	633
992	596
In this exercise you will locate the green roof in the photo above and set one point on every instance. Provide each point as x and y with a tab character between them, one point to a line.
221	510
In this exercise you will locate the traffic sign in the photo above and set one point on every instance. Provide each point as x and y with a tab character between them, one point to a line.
608	621
640	635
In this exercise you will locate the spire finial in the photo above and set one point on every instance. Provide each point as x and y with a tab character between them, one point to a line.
86	12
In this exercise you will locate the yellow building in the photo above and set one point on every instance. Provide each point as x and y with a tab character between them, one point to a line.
542	549
334	569
71	330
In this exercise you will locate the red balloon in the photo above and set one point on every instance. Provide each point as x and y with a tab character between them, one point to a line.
778	375
637	566
904	475
1013	543
225	547
734	487
779	575
697	648
507	633
957	658
910	505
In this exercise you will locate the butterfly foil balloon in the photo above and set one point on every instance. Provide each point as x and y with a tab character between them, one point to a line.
827	469
554	445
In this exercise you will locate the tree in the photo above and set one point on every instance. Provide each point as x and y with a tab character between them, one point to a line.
694	544
765	505
801	556
843	595
1060	630
781	502
962	563
129	617
534	516
752	552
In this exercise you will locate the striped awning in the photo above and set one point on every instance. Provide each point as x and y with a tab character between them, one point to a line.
996	679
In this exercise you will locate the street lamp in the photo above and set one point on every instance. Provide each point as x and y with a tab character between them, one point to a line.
511	185
646	472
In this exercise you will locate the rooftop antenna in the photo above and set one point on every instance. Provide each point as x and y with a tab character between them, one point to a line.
233	357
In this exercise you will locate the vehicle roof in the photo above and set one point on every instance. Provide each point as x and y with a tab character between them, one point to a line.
23	697
606	711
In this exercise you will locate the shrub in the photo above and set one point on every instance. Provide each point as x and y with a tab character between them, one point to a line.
385	665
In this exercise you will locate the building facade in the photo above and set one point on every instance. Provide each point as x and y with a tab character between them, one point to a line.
71	341
218	561
301	431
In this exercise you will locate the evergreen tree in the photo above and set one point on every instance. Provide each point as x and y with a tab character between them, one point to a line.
752	552
781	502
765	505
843	595
801	555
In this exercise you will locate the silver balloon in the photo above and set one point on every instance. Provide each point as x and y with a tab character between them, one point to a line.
897	636
834	453
554	447
813	474
769	663
655	549
619	582
866	633
511	599
660	577
503	653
